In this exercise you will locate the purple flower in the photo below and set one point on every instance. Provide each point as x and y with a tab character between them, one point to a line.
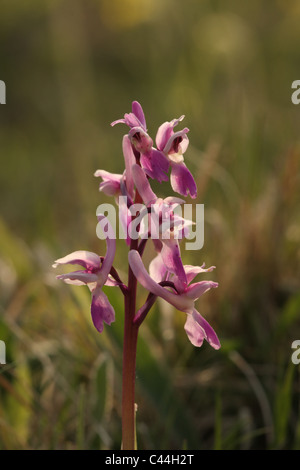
95	275
154	163
173	145
182	297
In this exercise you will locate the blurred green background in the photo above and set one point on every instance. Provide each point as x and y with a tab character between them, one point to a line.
72	67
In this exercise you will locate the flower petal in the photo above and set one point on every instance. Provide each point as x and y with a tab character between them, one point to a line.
124	218
129	161
131	120
142	185
101	309
78	278
134	119
141	141
87	259
177	143
182	180
171	257
118	121
165	131
157	269
197	329
139	113
163	135
111	182
182	303
155	164
194	331
192	271
107	176
194	291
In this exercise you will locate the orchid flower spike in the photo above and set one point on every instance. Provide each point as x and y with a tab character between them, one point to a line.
95	275
183	297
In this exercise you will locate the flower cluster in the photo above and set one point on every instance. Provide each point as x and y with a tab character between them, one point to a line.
168	277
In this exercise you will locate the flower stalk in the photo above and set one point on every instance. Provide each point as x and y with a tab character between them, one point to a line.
129	367
129	358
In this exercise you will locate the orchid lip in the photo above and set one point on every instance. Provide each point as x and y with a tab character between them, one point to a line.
176	157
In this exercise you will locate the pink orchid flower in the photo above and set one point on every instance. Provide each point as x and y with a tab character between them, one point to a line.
182	298
173	145
95	275
154	163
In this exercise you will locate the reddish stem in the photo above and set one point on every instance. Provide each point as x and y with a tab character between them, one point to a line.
129	358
